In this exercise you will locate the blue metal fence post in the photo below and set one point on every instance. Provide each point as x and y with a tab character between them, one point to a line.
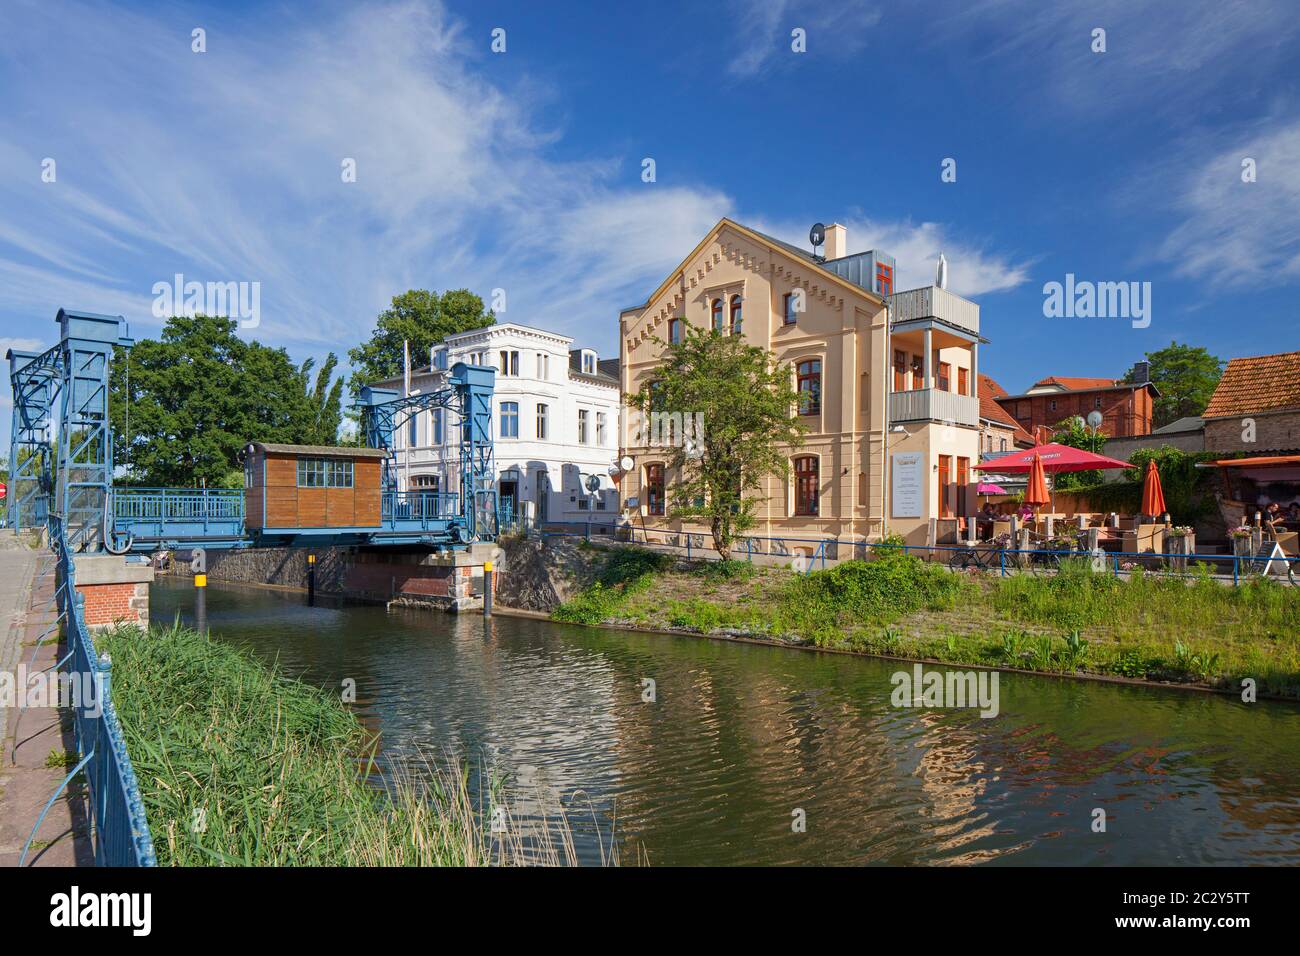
1235	569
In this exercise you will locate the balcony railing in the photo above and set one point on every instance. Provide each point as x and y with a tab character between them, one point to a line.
933	405
931	302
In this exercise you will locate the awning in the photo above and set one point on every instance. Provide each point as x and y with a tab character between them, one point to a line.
1262	462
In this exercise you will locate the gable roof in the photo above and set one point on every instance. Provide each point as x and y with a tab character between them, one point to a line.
1256	384
989	390
771	242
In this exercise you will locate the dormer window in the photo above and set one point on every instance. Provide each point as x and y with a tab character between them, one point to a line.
588	362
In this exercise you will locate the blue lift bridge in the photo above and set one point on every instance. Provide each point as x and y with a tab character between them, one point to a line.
61	462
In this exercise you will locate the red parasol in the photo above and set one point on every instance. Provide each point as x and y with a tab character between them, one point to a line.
1153	496
1036	492
1054	458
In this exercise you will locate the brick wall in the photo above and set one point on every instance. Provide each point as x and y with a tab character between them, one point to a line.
108	604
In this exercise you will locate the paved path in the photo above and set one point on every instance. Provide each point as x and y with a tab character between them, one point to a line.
30	737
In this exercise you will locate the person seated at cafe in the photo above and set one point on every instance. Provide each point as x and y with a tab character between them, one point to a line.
1272	521
1026	513
1293	514
984	520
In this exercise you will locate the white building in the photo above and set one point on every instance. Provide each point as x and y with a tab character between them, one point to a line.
555	414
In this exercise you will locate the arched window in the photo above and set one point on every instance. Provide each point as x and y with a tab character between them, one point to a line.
735	315
810	387
654	489
716	311
674	331
805	485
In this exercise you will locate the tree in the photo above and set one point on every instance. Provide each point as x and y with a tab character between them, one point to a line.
421	318
1185	376
746	404
199	393
1075	432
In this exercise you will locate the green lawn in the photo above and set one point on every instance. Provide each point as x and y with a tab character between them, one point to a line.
1189	630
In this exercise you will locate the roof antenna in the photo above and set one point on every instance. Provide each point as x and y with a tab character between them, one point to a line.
941	273
817	236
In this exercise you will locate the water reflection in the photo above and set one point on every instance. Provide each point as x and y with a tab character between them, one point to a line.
740	736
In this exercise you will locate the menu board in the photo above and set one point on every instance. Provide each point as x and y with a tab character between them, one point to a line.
907	489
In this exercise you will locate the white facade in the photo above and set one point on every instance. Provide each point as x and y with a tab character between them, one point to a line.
554	424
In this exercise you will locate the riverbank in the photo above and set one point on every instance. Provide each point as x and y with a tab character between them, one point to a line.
1187	631
240	765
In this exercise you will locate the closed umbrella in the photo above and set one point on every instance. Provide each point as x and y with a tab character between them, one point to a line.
1036	493
1153	496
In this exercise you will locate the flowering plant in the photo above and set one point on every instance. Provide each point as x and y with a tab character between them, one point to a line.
1241	534
1180	530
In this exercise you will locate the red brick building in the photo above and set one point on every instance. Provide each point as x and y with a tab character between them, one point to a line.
1126	409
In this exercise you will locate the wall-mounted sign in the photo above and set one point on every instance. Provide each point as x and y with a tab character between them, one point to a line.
908	489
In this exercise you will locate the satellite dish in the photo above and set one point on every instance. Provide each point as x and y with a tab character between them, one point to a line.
626	463
1094	419
817	235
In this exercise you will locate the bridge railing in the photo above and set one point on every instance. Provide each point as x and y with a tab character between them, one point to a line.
121	832
178	504
160	512
417	507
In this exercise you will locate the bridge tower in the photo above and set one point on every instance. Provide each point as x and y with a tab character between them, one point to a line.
74	480
469	394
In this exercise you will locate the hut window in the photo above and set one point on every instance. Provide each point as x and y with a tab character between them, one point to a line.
322	473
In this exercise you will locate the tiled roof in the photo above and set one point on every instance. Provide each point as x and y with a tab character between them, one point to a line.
1070	384
990	409
1257	384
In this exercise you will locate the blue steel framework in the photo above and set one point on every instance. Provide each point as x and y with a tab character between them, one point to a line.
469	395
75	482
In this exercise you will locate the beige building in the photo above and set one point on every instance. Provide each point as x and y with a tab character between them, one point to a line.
885	377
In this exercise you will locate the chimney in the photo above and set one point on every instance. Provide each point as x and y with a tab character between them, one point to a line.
837	241
1141	373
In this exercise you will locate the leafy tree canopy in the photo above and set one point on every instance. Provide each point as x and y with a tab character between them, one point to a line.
1185	376
1075	432
423	319
746	404
200	393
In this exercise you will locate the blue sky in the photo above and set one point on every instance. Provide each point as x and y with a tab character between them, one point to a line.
522	170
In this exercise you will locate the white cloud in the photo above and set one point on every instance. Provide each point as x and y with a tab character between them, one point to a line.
1242	232
973	270
225	166
762	31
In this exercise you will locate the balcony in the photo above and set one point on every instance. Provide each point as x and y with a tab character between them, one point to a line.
931	302
933	405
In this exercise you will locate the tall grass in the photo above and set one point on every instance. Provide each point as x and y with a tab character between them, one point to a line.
874	593
239	765
623	573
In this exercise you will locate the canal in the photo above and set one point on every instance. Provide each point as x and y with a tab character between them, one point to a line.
740	737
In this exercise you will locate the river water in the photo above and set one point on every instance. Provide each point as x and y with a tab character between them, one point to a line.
740	738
